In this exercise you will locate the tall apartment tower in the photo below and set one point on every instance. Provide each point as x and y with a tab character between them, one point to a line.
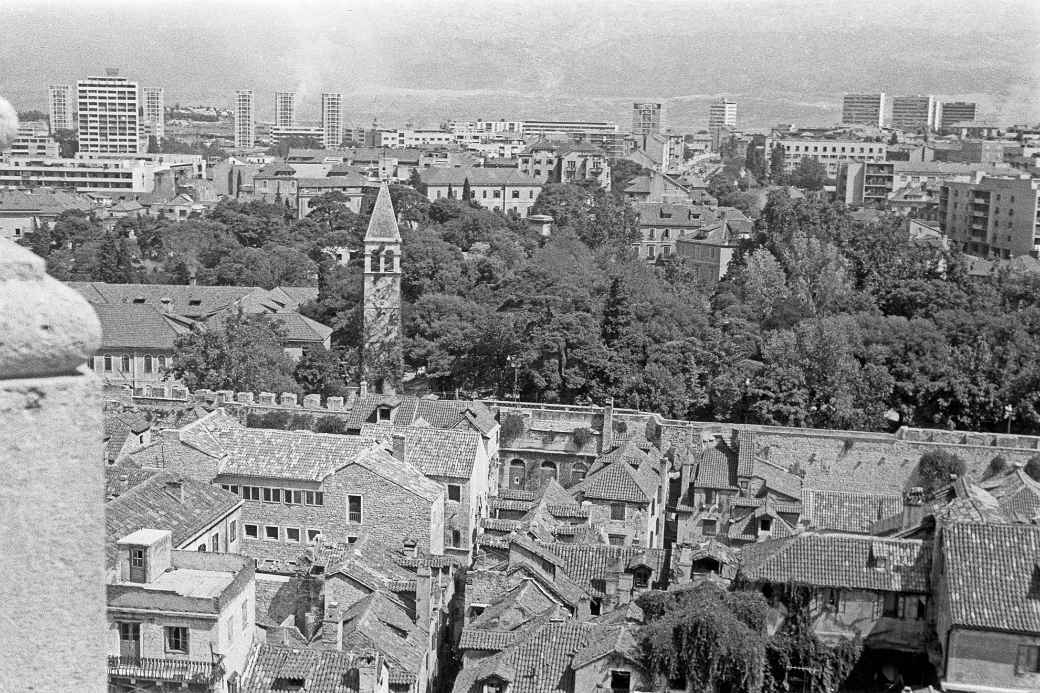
154	112
955	112
646	118
285	109
107	111
331	120
382	362
59	97
914	112
863	109
245	123
722	114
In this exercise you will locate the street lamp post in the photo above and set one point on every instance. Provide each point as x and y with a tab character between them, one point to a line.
1009	413
514	362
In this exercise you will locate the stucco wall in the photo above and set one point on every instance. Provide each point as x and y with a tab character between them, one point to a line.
986	658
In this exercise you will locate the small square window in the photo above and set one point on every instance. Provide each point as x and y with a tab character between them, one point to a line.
708	528
177	639
616	539
454	492
252	531
617	511
271	532
292	534
312	535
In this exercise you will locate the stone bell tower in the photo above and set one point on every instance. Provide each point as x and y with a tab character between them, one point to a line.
382	358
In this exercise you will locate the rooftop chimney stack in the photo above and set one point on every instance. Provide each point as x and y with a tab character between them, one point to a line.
400	446
423	595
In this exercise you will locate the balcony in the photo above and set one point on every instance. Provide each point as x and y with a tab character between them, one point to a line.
161	669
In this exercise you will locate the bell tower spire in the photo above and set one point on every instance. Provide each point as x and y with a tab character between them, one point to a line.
382	358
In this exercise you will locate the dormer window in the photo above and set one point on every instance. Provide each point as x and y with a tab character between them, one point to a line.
765	524
382	413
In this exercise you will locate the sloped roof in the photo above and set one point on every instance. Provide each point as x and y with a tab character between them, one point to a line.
43	201
619	481
190	301
992	576
121	423
477	176
585	563
777	479
323	671
847	511
378	623
137	326
166	501
841	560
437	452
605	640
382	225
717	467
299	328
1017	494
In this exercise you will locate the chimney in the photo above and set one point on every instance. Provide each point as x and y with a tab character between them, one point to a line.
410	548
368	669
606	435
913	507
400	447
175	488
363	390
624	588
423	595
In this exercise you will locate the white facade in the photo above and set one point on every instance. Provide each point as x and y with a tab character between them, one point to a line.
955	112
863	109
331	120
59	98
646	118
313	131
245	120
913	112
107	113
84	175
831	153
722	114
534	129
154	111
285	109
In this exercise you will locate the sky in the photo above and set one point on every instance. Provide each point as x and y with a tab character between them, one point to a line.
424	62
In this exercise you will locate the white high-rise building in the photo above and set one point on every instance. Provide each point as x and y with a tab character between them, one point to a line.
285	109
914	112
331	120
59	96
154	112
245	122
106	111
646	118
863	109
722	114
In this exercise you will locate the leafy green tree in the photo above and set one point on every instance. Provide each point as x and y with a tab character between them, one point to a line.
622	171
937	467
776	164
809	174
321	371
243	353
68	143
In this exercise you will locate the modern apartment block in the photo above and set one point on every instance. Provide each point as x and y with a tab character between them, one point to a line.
534	129
646	118
154	112
107	111
831	153
245	119
863	109
915	113
59	97
285	109
331	120
992	216
722	114
955	112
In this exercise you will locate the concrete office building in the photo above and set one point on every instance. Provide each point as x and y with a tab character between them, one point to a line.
955	112
830	153
154	112
535	129
31	142
331	120
126	175
992	216
312	132
863	109
107	114
914	112
646	118
285	109
245	119
59	98
722	114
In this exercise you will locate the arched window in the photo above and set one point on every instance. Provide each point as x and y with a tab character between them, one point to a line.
456	538
517	473
388	261
549	469
578	472
374	267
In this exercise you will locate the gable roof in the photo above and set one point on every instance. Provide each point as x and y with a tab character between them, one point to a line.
323	671
437	452
376	622
717	467
166	501
477	176
840	560
992	575
605	640
619	481
382	225
847	511
589	563
137	326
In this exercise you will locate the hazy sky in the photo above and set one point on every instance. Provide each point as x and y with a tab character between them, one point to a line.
425	61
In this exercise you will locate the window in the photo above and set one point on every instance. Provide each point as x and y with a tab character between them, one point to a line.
232	532
126	363
271	532
177	639
314	498
709	496
292	534
312	535
147	363
496	194
136	558
894	605
454	492
617	511
202	548
214	542
517	474
354	509
708	528
252	531
383	414
287	683
832	599
272	495
516	194
595	606
293	496
162	362
1028	659
130	640
620	681
578	472
549	469
616	539
108	364
765	524
456	538
251	492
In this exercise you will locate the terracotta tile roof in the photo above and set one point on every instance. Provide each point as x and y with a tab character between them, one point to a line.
604	640
588	563
477	177
516	494
123	476
485	586
507	504
166	501
497	525
568	511
119	424
745	452
777	479
619	481
971	503
298	328
992	576
437	452
322	671
847	511
375	622
841	560
137	326
1017	494
717	467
